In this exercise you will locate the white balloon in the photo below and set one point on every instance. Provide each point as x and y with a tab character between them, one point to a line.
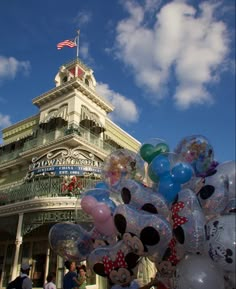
230	280
221	241
198	272
191	234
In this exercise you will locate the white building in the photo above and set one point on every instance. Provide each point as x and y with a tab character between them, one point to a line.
70	136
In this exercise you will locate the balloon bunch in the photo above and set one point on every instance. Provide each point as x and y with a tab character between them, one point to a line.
175	208
170	179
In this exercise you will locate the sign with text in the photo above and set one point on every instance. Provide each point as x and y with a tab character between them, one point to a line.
64	161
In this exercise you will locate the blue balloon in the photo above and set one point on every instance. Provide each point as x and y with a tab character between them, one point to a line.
160	165
168	188
182	173
99	194
103	196
111	205
102	185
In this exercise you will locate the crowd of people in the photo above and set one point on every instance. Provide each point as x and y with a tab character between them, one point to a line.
75	278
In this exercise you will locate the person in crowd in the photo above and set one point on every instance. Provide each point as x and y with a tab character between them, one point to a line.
81	279
51	278
24	273
70	277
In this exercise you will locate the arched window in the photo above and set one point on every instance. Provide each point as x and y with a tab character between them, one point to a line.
86	81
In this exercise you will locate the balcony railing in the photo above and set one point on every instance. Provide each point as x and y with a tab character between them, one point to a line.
45	187
57	134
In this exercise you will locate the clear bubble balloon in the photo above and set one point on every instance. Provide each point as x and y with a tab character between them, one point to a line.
115	262
197	151
144	233
221	241
227	171
70	241
143	198
198	272
189	222
230	280
214	194
122	163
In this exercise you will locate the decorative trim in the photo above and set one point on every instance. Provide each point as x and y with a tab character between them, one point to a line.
35	220
40	204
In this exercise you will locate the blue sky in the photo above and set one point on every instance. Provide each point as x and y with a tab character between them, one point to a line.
167	66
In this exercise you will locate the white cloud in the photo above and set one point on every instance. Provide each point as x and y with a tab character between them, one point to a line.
9	67
4	121
82	18
125	109
184	41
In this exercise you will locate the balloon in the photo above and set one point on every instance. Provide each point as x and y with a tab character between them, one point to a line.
227	171
122	163
197	151
168	188
221	241
70	241
189	222
88	203
230	280
115	262
171	174
101	185
144	233
214	194
198	272
142	198
100	213
152	148
181	173
101	195
152	175
160	165
98	193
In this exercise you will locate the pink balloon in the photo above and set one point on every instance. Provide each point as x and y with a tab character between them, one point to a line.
88	203
108	228
101	213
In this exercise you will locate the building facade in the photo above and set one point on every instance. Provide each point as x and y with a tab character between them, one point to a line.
46	161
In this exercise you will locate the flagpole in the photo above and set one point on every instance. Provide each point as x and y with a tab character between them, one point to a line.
77	42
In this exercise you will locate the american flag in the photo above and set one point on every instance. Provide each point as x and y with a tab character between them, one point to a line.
68	43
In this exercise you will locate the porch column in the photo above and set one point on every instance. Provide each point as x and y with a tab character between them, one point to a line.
18	243
47	264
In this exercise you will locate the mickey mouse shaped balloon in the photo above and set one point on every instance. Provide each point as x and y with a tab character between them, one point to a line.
218	189
144	233
221	241
189	222
116	263
143	198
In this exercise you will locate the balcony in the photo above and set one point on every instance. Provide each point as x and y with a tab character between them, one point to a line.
44	187
44	138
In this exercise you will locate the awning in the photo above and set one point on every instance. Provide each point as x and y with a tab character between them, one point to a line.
97	129
51	121
87	123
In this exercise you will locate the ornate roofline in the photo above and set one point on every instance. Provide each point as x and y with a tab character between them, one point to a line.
74	83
